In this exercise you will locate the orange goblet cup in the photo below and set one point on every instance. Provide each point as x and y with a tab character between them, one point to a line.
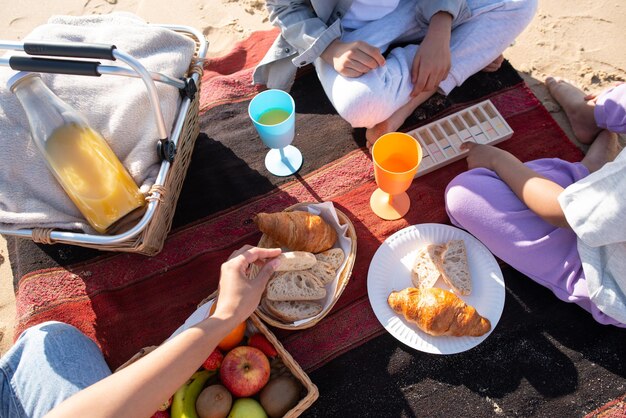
396	157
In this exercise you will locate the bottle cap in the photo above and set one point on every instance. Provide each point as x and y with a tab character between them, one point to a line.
15	78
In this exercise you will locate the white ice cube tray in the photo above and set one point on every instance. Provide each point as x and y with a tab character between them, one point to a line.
441	139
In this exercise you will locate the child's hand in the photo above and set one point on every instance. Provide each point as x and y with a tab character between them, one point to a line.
352	59
433	59
481	155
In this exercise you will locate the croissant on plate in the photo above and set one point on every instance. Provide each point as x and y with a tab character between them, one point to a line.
297	230
438	312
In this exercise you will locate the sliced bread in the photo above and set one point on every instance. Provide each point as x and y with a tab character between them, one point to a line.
292	310
296	260
294	285
324	272
426	267
456	271
334	257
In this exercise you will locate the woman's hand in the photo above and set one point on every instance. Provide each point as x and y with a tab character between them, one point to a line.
481	155
239	296
352	59
433	59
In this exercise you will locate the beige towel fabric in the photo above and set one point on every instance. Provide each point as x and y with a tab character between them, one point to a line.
116	106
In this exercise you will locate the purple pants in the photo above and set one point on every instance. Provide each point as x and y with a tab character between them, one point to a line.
480	202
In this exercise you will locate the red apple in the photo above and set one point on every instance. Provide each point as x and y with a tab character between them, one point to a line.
244	371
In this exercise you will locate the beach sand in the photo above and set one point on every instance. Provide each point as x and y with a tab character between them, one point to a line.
579	40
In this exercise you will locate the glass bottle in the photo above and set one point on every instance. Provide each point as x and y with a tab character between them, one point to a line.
80	159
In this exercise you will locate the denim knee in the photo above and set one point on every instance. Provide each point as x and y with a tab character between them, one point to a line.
53	328
48	363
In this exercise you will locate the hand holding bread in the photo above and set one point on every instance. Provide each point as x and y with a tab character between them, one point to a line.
307	279
295	290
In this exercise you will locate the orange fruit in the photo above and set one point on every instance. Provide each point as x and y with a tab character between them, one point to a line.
234	337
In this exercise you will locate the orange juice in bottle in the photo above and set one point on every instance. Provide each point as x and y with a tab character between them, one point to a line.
80	159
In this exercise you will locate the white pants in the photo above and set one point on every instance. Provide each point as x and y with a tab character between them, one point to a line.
476	41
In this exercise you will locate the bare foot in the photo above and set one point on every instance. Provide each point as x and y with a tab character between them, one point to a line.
578	110
604	149
396	120
494	65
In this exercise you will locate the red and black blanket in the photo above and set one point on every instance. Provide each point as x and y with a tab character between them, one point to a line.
545	357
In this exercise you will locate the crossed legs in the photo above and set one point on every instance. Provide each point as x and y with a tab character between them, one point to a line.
380	100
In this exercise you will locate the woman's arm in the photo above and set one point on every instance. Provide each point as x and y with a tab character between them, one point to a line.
139	389
536	191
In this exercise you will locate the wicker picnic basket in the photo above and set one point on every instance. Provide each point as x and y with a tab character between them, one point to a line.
148	234
343	276
283	364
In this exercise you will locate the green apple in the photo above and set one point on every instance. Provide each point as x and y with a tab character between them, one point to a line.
247	408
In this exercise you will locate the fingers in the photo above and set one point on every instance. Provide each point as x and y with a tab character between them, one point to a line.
425	77
252	254
466	146
373	53
239	251
266	272
361	59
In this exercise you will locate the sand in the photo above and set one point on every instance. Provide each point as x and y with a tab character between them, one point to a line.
580	40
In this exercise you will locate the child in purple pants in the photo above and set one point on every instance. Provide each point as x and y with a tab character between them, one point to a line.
562	224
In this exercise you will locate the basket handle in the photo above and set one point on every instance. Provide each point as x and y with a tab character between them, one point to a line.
47	65
64	49
166	149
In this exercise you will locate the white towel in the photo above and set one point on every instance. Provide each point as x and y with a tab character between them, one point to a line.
116	106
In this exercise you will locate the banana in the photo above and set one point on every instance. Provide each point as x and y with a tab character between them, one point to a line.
184	401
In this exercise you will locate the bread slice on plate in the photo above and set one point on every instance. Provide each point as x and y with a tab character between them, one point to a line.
294	285
334	257
296	260
456	271
427	266
292	310
324	272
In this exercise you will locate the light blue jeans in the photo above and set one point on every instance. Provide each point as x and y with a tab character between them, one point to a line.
48	363
478	37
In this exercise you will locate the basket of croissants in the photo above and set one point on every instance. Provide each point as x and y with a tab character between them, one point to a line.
319	249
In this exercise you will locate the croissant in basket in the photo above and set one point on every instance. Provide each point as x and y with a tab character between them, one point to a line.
297	230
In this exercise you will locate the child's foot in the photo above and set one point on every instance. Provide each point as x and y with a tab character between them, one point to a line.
396	120
494	65
603	150
577	109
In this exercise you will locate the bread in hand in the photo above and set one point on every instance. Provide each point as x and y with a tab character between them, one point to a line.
294	285
438	312
455	268
297	230
425	271
295	260
292	310
334	257
324	272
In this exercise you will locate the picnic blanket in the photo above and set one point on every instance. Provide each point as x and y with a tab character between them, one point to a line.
545	357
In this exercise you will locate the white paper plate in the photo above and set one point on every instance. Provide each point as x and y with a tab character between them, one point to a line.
390	270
